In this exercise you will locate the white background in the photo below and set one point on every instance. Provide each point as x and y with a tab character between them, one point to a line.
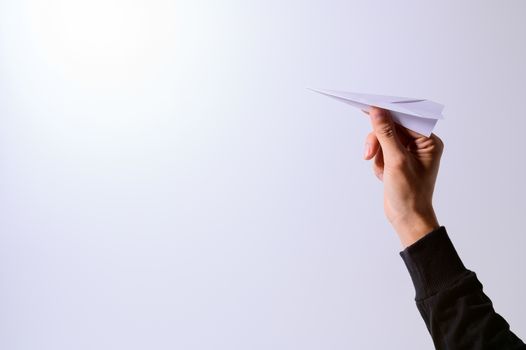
168	182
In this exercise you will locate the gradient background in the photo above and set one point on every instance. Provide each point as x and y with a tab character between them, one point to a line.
168	182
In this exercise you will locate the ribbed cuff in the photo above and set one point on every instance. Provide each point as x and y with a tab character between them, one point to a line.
433	263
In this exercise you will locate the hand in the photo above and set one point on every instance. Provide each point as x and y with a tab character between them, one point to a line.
407	163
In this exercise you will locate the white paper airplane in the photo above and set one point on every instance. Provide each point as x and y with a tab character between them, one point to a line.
415	114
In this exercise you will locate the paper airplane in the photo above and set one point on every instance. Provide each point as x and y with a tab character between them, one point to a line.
415	114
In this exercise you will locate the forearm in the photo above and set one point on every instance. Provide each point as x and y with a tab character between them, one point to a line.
451	300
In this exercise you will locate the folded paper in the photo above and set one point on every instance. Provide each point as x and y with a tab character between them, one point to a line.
415	114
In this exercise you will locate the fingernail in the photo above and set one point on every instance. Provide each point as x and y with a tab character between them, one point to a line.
367	150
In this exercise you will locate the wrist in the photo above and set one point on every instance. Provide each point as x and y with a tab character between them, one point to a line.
412	227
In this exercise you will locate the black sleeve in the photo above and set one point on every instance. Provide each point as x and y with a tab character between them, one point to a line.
450	299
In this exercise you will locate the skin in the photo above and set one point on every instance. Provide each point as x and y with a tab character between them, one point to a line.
407	163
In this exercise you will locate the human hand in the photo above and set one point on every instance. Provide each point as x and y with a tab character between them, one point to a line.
407	163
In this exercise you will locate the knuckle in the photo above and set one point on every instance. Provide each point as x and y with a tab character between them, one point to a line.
438	144
386	130
438	141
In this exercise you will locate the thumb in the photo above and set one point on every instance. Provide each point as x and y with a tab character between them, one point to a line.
385	131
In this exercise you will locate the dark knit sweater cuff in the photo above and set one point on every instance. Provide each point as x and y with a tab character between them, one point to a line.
433	263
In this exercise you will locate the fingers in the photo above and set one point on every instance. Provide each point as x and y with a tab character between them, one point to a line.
378	165
405	134
431	146
371	146
373	149
386	133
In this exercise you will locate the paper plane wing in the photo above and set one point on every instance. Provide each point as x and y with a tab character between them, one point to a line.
415	114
